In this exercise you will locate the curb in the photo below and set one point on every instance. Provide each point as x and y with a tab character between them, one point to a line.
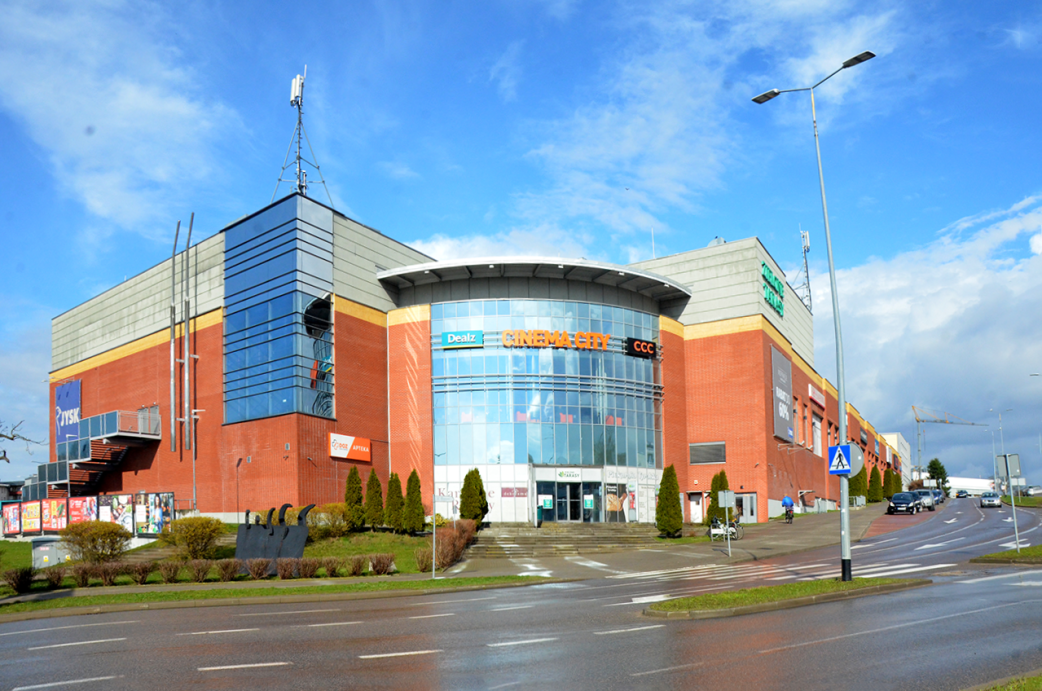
258	600
788	604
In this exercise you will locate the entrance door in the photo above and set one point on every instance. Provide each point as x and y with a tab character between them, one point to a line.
569	501
695	507
745	507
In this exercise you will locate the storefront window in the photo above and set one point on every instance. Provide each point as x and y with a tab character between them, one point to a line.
581	403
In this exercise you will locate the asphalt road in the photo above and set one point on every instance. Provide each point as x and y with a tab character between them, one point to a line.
976	624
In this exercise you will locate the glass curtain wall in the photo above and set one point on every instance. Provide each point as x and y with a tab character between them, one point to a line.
278	329
544	405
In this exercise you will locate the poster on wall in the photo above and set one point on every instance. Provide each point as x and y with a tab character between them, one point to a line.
350	448
82	509
781	370
67	411
31	517
615	502
117	508
153	512
12	519
53	514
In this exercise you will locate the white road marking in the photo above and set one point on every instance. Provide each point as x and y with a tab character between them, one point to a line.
668	669
991	578
636	628
275	614
74	626
528	642
951	521
589	563
434	616
1029	583
503	686
1012	544
918	622
256	664
939	544
334	623
65	683
66	645
507	609
406	654
207	633
643	600
449	602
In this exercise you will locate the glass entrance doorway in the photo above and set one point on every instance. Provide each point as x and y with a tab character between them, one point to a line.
569	501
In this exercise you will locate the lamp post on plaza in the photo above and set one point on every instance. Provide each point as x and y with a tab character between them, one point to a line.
844	486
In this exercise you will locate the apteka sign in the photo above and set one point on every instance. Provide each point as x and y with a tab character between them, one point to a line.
350	448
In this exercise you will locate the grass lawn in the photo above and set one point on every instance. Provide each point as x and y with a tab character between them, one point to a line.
1028	555
1022	684
403	547
770	593
15	555
365	586
1025	501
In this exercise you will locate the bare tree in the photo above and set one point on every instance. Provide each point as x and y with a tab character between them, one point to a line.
10	432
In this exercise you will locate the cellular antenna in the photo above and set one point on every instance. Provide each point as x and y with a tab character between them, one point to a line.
300	137
802	286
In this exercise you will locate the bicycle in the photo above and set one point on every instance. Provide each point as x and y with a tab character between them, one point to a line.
788	514
716	530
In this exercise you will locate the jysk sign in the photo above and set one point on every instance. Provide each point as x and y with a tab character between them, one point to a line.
639	348
463	339
350	448
67	411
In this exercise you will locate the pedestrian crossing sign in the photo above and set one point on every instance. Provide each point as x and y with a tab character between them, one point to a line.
845	460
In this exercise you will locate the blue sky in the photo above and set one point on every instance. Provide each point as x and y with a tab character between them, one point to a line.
569	128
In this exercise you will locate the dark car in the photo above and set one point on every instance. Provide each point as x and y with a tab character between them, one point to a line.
904	502
939	496
962	494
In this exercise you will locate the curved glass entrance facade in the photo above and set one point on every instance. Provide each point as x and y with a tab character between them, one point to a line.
543	382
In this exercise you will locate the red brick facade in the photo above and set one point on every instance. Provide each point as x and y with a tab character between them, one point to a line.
409	380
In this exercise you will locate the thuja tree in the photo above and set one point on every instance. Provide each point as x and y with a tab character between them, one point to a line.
887	484
858	486
413	518
353	509
374	501
669	517
875	486
718	484
394	512
472	501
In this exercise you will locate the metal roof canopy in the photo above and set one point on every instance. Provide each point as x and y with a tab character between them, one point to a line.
645	283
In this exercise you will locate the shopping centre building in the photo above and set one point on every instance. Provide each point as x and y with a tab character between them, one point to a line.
315	344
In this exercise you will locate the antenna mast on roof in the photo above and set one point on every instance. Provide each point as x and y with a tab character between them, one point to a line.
802	286
300	137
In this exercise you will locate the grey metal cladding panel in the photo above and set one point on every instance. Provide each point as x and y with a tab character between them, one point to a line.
137	307
283	212
357	251
499	287
315	214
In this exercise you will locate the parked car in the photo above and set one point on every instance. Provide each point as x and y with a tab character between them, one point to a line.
904	502
926	497
939	496
1033	491
990	499
962	494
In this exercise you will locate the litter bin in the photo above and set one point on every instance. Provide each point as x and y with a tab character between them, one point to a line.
48	550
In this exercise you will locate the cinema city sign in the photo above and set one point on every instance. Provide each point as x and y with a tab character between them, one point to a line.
537	338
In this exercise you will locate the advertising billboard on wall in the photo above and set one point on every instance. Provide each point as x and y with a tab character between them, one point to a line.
153	512
82	509
781	380
53	514
11	517
67	412
31	517
350	448
117	508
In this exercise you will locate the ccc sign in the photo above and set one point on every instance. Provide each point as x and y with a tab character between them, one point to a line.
639	348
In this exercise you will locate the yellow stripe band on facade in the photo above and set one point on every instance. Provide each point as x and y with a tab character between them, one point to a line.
358	311
670	326
409	315
199	323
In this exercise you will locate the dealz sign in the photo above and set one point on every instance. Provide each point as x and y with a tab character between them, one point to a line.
350	448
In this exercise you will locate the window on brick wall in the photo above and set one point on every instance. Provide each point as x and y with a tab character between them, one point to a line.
713	452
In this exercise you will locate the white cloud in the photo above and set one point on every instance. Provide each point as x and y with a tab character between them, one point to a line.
507	71
954	327
398	170
98	88
543	241
25	359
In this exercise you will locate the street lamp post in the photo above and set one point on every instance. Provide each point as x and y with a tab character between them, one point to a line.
844	482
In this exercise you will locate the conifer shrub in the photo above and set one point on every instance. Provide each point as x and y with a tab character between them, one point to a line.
374	501
858	486
55	576
718	484
169	571
194	537
473	503
95	542
875	487
228	569
308	567
354	509
413	519
669	517
141	570
394	510
21	579
258	568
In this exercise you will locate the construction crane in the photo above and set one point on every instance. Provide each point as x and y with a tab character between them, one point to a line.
933	417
